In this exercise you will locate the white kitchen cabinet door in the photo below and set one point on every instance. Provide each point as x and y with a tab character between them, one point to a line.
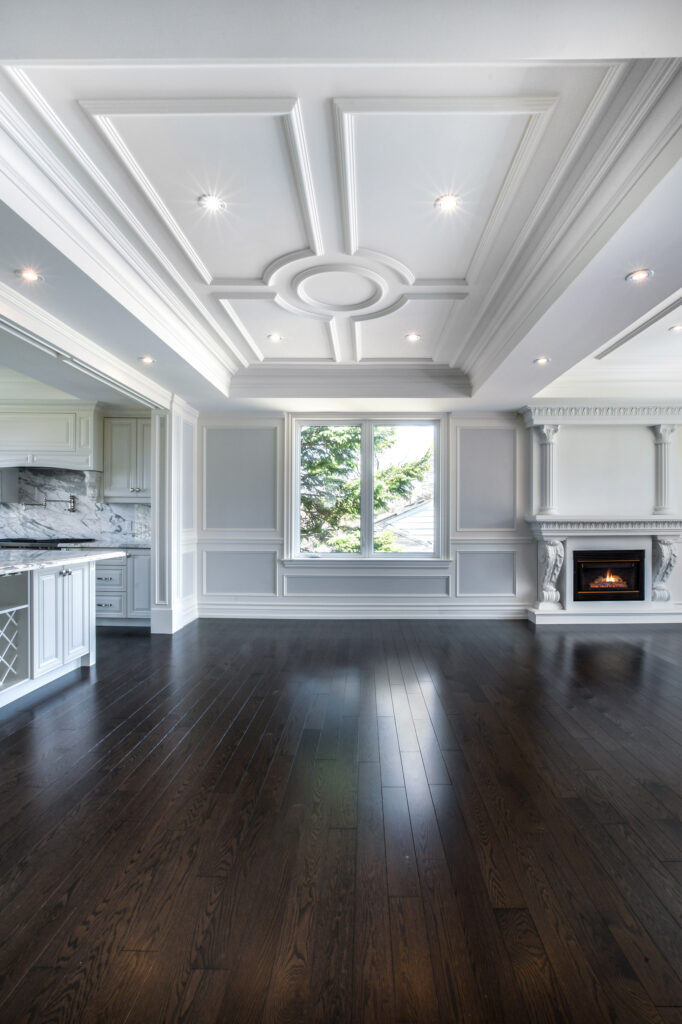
120	457
139	585
47	608
76	583
144	458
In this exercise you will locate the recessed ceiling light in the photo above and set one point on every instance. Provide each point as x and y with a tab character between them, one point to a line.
446	203
676	328
639	275
214	204
542	360
274	336
147	360
28	274
413	336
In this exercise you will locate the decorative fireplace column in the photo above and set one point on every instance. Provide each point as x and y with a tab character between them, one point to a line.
663	434
547	434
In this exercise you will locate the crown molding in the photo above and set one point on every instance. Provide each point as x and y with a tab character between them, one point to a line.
63	200
32	324
557	242
349	380
537	415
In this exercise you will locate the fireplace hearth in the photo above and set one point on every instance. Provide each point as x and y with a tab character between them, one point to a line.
608	575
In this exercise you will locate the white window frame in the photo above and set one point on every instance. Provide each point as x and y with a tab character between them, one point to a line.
367	422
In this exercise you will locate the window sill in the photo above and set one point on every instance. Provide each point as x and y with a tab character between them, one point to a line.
376	563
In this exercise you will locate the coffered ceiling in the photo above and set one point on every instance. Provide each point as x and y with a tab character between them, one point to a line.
330	271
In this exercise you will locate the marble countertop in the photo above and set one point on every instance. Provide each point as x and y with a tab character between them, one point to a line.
21	559
126	545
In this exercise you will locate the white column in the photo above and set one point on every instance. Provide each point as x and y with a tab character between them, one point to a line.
548	469
164	521
663	434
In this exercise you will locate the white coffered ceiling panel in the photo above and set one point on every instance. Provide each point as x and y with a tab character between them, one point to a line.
235	149
301	337
329	171
385	337
405	159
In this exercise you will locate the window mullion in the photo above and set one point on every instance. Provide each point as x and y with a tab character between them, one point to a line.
367	490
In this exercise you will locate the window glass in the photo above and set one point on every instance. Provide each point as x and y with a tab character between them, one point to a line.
329	488
404	511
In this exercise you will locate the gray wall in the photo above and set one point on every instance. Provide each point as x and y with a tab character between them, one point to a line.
489	562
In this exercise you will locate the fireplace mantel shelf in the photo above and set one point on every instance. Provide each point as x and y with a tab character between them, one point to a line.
566	526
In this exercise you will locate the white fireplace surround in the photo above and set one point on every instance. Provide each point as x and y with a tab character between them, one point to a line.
558	537
578	448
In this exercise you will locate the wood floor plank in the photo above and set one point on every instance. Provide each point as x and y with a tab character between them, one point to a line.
388	822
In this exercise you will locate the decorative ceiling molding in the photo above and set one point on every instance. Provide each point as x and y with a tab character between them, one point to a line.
27	321
346	381
537	415
287	110
554	241
537	108
93	232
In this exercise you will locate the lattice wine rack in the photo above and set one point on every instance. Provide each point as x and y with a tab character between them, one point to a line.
13	630
9	647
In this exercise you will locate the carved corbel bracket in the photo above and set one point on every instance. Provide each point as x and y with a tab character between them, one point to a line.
551	560
664	558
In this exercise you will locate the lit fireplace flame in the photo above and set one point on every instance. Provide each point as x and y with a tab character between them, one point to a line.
610	580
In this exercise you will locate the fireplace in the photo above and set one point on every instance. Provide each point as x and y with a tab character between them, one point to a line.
608	575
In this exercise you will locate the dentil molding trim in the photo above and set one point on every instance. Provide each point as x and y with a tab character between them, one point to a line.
550	526
538	415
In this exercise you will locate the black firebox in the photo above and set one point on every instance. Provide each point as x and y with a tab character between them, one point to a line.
608	575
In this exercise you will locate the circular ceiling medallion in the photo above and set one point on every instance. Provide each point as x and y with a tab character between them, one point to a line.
339	289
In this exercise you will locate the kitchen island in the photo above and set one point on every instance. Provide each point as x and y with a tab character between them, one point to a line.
47	616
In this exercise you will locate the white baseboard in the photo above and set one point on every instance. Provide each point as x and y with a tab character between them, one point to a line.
357	610
170	620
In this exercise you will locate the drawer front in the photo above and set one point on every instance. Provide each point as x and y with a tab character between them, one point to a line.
109	562
110	606
110	577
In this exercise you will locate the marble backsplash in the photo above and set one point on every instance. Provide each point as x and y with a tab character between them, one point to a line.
24	514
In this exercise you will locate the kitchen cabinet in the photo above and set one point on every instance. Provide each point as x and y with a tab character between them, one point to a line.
57	436
138	591
123	588
61	616
127	458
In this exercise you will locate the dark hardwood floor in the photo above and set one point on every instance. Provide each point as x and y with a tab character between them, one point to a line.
348	821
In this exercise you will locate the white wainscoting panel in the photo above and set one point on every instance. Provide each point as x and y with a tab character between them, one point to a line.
486	478
486	574
241	478
239	572
366	585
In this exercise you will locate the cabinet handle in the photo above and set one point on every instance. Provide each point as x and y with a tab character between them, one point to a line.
104	604
105	579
